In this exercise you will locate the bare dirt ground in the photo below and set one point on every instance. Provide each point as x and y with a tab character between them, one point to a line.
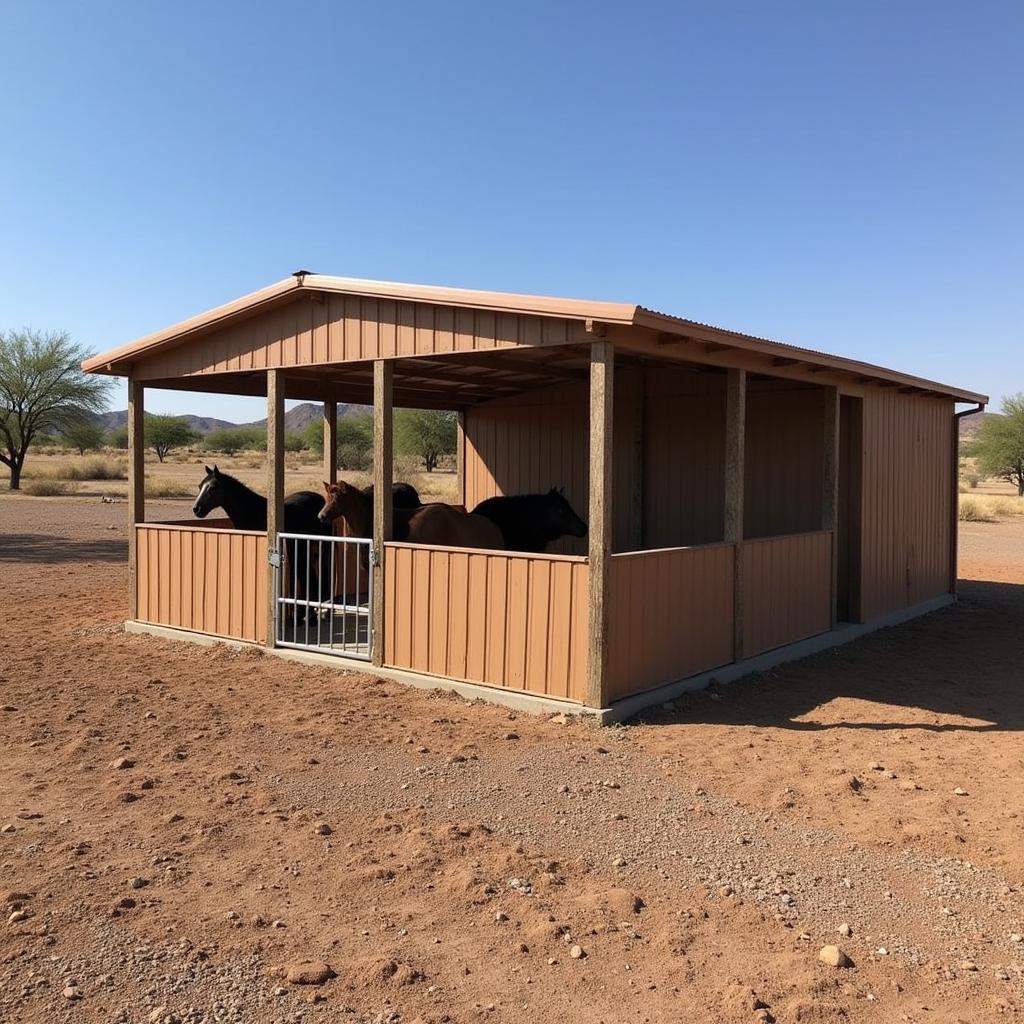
177	822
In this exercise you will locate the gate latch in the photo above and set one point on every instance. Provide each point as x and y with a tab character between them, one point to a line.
274	558
375	558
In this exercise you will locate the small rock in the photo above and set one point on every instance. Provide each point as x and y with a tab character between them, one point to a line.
511	736
500	916
619	862
960	791
845	930
8	829
908	786
1016	937
834	957
278	923
314	972
875	766
121	763
577	953
968	965
72	992
139	882
18	915
323	829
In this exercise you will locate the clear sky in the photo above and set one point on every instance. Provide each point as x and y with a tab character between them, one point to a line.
840	176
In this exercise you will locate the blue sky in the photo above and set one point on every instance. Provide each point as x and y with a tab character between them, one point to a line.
841	176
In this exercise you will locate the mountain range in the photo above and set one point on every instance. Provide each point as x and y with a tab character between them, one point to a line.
295	420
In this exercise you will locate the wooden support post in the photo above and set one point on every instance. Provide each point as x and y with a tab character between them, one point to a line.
275	487
383	476
331	441
136	487
602	375
460	456
830	489
735	465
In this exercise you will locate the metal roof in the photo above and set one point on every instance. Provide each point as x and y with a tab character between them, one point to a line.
118	360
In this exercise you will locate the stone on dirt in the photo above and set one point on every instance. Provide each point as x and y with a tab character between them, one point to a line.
121	763
310	972
834	957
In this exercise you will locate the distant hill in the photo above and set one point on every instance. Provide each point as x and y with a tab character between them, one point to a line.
295	420
970	425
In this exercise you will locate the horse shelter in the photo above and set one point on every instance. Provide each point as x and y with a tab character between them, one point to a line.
748	501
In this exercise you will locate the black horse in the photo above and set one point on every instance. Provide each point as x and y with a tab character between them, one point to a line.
247	510
403	495
529	522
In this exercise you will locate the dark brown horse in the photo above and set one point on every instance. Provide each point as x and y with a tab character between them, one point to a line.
435	524
530	522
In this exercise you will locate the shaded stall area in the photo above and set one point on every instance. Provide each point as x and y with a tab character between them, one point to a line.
741	495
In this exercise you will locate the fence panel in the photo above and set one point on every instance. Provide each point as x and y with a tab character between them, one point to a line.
208	579
787	584
670	615
509	620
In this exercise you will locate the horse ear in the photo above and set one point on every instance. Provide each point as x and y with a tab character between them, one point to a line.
216	471
554	490
209	472
327	487
561	490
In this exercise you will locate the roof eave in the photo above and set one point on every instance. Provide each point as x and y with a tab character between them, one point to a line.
675	325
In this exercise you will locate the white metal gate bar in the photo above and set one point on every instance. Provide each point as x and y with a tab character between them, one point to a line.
309	612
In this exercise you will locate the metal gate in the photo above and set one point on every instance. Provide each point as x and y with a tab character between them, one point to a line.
323	590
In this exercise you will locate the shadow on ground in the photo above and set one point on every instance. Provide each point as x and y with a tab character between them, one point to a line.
50	550
965	661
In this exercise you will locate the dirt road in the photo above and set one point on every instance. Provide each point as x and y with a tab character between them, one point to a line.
177	822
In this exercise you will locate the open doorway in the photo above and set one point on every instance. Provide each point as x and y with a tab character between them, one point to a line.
848	525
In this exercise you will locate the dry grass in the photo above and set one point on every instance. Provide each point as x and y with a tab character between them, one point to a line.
48	488
162	487
973	511
91	467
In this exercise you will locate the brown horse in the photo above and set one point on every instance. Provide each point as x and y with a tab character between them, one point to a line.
437	524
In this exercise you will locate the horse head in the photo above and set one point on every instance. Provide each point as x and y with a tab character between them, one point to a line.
341	500
211	493
559	516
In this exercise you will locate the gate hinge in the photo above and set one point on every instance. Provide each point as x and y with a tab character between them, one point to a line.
274	558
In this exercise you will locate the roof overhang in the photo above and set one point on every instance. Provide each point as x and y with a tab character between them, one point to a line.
119	361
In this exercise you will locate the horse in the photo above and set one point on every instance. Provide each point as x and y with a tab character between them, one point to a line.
247	510
403	495
436	524
529	522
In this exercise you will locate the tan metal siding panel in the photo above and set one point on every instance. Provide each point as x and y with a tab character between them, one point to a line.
511	621
670	616
348	328
208	579
907	488
787	590
784	462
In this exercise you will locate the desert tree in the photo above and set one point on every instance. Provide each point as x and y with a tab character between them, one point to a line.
426	433
83	435
42	391
165	433
999	444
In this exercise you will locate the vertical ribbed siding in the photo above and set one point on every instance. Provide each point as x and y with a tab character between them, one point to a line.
669	617
787	590
539	440
684	458
209	579
349	328
784	459
518	622
907	469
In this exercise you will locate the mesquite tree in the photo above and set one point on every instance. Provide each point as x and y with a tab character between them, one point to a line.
42	391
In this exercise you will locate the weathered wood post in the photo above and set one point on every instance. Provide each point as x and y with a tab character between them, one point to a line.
275	488
383	476
830	491
136	487
602	374
735	463
331	442
460	456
